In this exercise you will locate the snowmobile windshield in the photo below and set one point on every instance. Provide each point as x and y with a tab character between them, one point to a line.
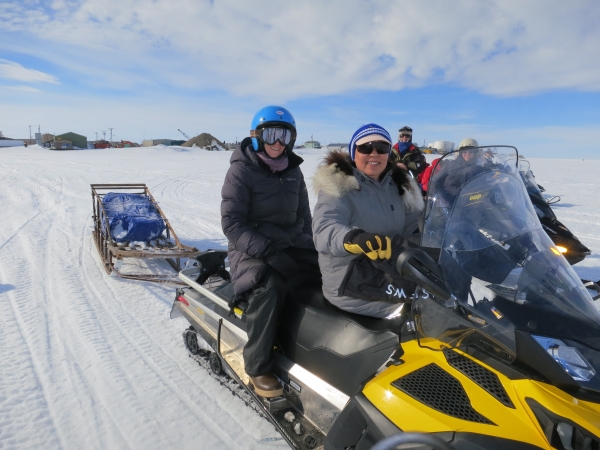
448	178
502	270
540	204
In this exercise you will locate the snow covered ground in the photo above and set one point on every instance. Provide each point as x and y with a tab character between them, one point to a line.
92	361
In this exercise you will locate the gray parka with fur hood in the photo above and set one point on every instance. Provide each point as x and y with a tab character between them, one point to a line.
348	199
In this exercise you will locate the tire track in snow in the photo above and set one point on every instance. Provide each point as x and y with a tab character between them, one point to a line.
21	392
22	322
201	415
50	351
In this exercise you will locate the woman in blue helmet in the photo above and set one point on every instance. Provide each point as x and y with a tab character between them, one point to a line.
266	218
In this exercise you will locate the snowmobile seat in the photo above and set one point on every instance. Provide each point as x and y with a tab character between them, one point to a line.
339	347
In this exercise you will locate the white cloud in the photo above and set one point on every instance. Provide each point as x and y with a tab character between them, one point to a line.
15	71
28	89
285	50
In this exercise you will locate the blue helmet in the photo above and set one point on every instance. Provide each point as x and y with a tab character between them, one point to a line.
272	116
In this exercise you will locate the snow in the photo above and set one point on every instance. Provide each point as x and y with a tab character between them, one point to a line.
93	361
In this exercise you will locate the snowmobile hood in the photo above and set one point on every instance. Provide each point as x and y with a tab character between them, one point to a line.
513	293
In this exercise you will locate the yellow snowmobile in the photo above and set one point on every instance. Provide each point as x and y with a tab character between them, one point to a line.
499	348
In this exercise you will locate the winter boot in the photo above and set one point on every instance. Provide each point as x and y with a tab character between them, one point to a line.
267	385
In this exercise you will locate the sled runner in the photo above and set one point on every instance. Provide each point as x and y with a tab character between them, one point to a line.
128	223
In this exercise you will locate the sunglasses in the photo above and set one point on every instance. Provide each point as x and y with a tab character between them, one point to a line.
380	147
270	135
405	135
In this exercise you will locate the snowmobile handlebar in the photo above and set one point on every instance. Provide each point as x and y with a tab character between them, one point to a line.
415	265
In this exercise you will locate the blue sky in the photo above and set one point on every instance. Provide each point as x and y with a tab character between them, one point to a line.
523	73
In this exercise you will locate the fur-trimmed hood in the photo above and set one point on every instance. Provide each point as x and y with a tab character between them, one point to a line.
338	175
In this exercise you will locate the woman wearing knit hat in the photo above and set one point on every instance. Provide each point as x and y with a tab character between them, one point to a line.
363	201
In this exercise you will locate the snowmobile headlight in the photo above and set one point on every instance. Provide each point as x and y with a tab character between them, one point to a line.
561	249
569	358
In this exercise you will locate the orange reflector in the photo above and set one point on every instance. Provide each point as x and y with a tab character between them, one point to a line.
561	249
555	251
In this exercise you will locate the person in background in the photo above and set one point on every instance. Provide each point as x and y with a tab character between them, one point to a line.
407	155
363	200
428	173
266	218
464	167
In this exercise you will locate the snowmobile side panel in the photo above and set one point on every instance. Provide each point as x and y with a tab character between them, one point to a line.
204	315
361	425
358	424
318	401
450	399
341	348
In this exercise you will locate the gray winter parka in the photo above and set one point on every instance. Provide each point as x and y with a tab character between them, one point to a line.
348	199
260	208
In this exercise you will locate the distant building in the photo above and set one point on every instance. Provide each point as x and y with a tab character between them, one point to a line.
47	137
8	142
102	144
442	146
77	140
151	142
63	144
337	146
312	144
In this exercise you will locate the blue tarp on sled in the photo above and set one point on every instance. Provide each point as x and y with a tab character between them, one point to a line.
132	217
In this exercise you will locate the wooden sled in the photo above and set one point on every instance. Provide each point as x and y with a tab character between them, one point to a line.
167	246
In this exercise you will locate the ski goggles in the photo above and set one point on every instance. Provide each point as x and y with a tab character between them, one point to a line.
270	135
380	147
405	135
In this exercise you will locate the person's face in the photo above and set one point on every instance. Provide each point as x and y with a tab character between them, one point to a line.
469	155
405	138
372	165
274	150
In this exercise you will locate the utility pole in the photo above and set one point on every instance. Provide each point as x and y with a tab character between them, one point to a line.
29	133
104	135
96	135
111	133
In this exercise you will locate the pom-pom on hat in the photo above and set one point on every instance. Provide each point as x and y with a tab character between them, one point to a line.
367	133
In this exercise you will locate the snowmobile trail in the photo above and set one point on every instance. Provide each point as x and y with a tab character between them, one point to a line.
156	358
20	385
207	421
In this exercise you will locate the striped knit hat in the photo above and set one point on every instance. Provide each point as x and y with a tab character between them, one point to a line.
370	129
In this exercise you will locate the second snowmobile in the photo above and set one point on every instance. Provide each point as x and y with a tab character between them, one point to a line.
499	347
565	240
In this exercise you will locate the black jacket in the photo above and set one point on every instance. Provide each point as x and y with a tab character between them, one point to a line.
261	209
455	174
413	159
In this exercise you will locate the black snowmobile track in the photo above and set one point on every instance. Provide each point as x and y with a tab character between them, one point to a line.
202	358
299	434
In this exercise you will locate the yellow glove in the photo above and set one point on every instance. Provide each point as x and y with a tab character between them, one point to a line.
375	246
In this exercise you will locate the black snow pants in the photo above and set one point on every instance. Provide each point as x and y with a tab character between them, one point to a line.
265	304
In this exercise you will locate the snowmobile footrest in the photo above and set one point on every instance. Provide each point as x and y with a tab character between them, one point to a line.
276	404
